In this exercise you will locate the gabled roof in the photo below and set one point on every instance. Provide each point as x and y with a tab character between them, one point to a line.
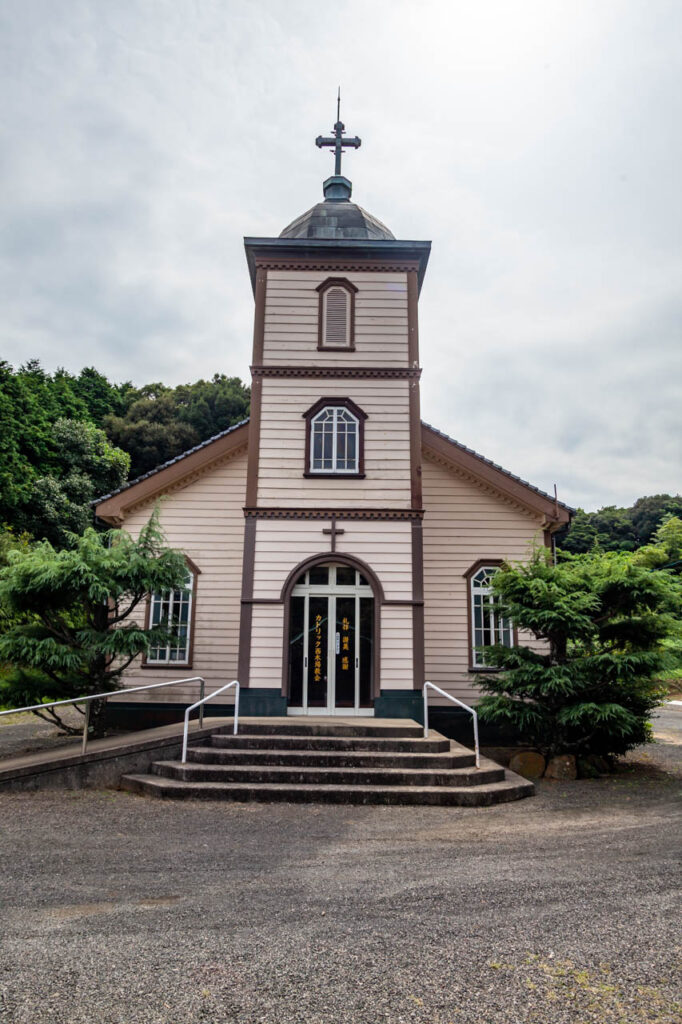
501	479
113	506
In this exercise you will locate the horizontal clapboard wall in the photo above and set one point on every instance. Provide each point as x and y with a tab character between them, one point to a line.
292	314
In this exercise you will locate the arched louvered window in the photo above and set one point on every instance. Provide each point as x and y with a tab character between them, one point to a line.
337	314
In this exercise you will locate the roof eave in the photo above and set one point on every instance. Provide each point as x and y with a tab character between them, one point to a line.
112	507
556	514
385	250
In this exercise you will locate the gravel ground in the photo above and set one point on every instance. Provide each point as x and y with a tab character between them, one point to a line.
562	908
26	733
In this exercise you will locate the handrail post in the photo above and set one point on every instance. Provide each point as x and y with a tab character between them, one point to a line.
455	700
202	690
86	727
199	704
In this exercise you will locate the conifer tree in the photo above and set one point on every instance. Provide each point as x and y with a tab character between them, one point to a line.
589	688
72	631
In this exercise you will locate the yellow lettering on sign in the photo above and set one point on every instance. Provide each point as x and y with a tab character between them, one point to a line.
344	663
317	664
346	643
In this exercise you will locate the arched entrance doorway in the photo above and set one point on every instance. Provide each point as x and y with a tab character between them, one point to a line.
331	663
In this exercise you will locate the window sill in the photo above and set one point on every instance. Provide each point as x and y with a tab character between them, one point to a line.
165	665
336	348
336	476
484	668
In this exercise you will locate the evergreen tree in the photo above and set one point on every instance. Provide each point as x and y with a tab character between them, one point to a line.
602	620
72	631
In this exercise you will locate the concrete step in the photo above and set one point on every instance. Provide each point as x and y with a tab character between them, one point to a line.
435	744
457	757
510	788
317	776
303	726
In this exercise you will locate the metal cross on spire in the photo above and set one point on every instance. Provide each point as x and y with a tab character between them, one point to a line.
337	142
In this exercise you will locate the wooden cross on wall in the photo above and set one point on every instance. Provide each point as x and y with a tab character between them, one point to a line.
333	532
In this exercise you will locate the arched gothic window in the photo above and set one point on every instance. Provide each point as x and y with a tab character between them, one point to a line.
336	314
335	438
486	625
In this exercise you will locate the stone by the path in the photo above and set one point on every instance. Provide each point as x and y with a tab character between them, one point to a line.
528	763
562	767
592	766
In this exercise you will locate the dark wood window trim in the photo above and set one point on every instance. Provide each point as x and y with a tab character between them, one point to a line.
345	403
349	287
165	665
480	564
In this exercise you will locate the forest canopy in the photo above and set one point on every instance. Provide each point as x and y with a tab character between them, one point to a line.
65	439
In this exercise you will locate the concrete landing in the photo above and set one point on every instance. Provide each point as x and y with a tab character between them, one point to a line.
104	761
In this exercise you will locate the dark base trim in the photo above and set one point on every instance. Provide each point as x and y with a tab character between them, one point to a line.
255	701
399	704
131	716
457	724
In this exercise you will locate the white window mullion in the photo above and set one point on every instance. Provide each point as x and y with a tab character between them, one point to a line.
335	427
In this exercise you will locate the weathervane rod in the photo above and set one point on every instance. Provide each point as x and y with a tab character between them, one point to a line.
337	142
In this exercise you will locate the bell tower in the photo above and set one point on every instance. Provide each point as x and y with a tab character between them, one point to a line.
332	607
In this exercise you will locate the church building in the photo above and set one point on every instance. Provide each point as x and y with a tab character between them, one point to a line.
339	549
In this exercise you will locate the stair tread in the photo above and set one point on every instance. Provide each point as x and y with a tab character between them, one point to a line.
386	755
333	770
161	782
285	734
289	741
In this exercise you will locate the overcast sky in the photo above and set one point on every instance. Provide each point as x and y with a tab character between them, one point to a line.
535	142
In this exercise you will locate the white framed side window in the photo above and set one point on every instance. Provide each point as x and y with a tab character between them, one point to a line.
487	626
174	609
334	441
335	438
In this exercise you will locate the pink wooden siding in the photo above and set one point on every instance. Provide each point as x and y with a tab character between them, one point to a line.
291	319
282	450
205	520
463	523
281	545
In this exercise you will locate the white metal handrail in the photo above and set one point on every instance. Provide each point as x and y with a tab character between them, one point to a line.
454	701
200	703
111	693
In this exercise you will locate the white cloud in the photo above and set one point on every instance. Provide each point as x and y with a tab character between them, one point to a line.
535	143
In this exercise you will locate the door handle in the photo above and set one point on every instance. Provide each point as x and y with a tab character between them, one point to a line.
338	643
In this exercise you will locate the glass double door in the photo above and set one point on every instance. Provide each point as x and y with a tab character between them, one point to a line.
330	642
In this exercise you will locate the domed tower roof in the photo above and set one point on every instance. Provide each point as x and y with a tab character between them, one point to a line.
337	217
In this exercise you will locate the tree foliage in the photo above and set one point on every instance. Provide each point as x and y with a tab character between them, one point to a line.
60	503
72	630
43	464
618	529
162	422
590	688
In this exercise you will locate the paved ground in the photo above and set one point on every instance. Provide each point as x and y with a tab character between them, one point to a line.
116	909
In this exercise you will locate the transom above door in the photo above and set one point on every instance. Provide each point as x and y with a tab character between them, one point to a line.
331	631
